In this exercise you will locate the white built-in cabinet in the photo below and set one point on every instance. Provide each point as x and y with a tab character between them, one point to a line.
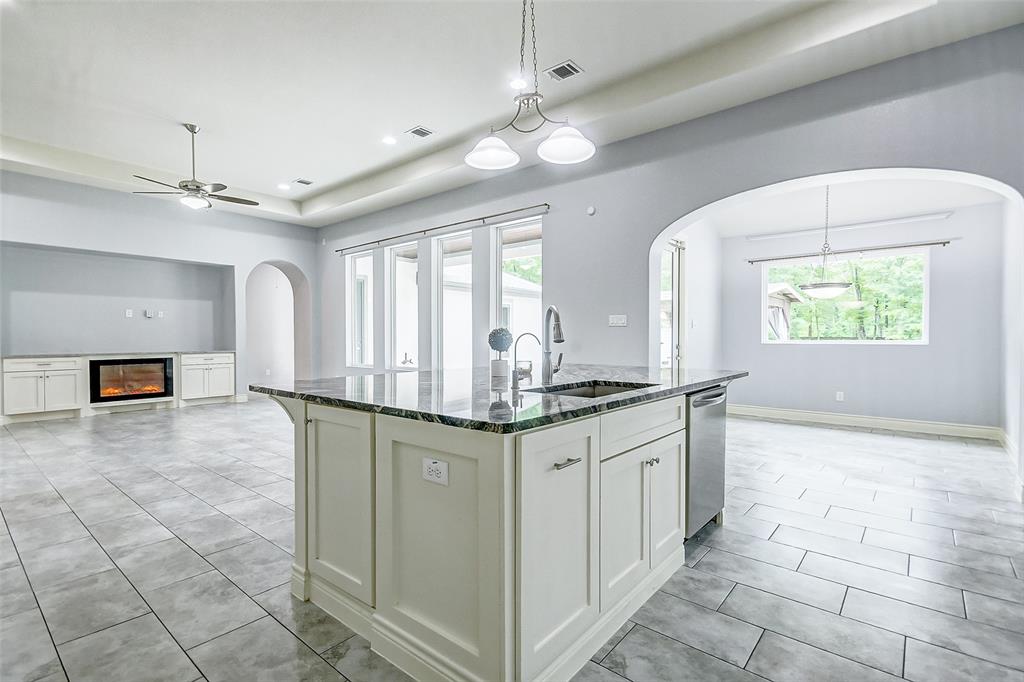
558	539
518	566
208	375
642	513
42	385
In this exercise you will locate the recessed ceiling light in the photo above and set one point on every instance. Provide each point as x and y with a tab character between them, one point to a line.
518	83
283	186
387	139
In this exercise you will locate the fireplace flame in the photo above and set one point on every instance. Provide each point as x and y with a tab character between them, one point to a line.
108	391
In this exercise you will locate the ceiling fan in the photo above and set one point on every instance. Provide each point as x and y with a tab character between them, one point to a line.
195	193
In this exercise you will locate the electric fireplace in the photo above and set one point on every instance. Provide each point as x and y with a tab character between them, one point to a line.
134	379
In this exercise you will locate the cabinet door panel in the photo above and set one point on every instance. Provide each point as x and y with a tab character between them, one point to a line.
340	495
62	390
220	380
193	382
668	504
625	536
559	527
23	392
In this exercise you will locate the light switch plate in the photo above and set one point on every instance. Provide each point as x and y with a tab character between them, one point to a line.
617	321
435	471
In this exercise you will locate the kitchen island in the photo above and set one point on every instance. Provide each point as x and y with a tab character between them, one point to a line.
472	532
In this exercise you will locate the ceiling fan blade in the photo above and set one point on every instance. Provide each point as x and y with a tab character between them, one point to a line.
233	200
157	192
215	187
155	181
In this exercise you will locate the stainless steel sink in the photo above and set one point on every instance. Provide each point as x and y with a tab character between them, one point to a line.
589	389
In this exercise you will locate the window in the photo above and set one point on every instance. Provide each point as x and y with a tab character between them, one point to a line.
360	309
887	302
455	314
519	285
667	304
403	305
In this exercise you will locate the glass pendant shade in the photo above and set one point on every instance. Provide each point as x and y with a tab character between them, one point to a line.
825	290
195	201
491	153
566	145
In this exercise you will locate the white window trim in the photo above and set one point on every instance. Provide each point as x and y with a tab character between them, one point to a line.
390	361
498	265
350	285
925	252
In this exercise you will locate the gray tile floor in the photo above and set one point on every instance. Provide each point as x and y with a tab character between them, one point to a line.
156	546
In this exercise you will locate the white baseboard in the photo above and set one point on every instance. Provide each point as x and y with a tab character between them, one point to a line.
993	433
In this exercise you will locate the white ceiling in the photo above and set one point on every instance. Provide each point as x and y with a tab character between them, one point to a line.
95	91
850	202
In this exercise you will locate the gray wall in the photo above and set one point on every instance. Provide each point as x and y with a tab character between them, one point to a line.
57	301
54	214
955	378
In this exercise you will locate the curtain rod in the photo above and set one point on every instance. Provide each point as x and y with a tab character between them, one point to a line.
482	220
908	245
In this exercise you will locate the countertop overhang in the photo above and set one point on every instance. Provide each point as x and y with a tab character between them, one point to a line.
471	399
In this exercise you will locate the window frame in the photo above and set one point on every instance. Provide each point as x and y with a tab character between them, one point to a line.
365	304
497	267
922	251
390	253
437	303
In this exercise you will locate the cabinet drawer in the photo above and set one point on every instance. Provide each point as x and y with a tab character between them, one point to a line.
37	364
208	359
629	428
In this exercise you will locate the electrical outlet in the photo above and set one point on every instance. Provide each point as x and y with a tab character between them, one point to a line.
617	321
268	371
840	396
128	312
148	314
160	314
435	471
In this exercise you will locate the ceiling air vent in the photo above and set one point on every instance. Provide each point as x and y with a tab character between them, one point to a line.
566	69
303	181
420	131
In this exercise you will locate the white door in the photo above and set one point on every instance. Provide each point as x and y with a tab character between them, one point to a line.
625	535
220	380
23	392
340	499
559	527
193	382
62	390
668	504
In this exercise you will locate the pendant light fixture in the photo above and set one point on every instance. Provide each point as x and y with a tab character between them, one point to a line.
566	145
825	289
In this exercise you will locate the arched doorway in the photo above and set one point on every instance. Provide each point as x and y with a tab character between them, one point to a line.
1005	342
278	318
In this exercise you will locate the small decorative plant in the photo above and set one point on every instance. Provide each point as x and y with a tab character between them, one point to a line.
500	339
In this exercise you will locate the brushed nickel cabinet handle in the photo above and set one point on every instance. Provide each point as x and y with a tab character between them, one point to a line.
568	463
653	460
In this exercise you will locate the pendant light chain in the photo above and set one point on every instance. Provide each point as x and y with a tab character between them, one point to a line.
533	35
522	45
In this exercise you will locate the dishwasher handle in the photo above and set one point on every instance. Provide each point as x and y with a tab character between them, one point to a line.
709	400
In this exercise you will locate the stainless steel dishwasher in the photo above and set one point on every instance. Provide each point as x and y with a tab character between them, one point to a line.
705	457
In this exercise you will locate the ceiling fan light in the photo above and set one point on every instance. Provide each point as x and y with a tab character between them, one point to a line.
195	201
491	153
825	290
566	145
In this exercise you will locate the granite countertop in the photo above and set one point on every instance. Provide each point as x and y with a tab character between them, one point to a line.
114	354
469	398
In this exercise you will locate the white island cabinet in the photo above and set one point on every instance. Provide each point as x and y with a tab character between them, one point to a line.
504	544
